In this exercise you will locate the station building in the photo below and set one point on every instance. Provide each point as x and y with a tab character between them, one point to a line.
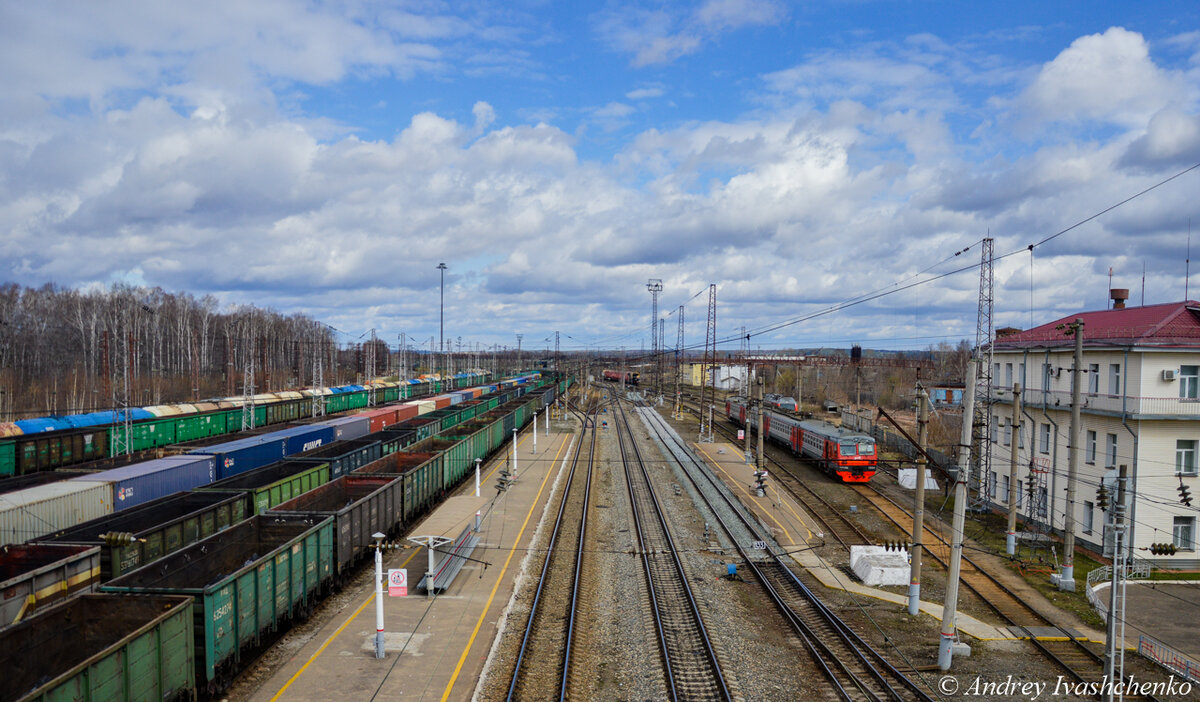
1140	407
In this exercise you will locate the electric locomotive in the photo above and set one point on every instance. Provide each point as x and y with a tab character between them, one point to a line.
612	376
846	454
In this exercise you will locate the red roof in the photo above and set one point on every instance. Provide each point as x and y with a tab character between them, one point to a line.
1169	324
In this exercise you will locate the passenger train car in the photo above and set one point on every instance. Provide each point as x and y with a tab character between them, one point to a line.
847	454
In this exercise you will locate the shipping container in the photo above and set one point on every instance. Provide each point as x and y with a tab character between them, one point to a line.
241	455
34	576
360	505
101	647
142	482
159	528
346	428
344	456
37	511
278	482
407	411
20	482
306	437
380	418
247	580
443	401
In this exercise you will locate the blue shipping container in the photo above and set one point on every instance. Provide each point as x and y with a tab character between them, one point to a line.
305	438
239	456
346	428
141	482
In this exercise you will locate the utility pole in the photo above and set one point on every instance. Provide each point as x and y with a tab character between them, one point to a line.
1066	578
761	425
442	314
655	286
1114	639
1013	492
662	335
519	337
918	545
678	411
749	420
946	644
370	361
710	359
319	378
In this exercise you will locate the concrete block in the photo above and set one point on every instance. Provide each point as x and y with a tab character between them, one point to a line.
908	479
875	565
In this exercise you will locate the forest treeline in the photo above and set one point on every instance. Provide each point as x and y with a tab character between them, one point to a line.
64	351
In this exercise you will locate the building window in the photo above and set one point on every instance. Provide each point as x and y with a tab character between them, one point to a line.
992	430
1008	379
1188	377
1008	435
1088	509
1021	374
1004	484
1110	451
1185	457
1045	442
1184	533
996	372
1020	493
1093	378
1114	379
1089	448
1043	502
992	486
1021	435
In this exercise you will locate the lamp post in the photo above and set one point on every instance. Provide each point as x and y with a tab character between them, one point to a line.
442	315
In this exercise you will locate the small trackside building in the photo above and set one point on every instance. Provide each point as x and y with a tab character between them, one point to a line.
1140	406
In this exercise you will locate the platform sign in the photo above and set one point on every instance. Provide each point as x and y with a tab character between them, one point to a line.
741	434
398	582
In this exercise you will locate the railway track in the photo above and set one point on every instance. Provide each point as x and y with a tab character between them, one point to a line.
853	668
1075	657
692	669
543	665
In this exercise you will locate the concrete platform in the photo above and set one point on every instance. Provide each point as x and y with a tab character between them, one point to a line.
435	647
794	530
1167	611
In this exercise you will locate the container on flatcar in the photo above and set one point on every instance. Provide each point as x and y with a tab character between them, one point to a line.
37	511
142	482
158	528
101	647
360	505
33	576
241	455
278	482
380	418
346	428
20	482
306	437
248	579
342	457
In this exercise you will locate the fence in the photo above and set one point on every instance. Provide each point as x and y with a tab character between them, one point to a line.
1139	569
1169	658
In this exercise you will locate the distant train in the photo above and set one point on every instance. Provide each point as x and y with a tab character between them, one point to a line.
847	454
612	376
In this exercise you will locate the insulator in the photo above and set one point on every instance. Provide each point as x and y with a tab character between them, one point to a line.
1185	497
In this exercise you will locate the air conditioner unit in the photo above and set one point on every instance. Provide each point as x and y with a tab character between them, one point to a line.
1168	375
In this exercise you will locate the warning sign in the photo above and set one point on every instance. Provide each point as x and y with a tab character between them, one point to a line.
741	434
398	582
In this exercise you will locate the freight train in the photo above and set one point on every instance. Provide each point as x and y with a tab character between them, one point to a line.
203	579
848	455
629	377
46	443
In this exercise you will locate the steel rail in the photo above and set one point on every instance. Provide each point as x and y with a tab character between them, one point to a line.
851	640
693	608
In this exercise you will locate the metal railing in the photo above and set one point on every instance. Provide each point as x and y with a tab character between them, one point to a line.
1099	402
1169	658
1139	569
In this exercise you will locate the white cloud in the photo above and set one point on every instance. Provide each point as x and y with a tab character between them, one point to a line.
662	35
644	93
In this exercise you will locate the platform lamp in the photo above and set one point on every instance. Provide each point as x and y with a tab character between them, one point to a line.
379	537
442	316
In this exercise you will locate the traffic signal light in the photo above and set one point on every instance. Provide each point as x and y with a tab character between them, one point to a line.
1163	549
1185	497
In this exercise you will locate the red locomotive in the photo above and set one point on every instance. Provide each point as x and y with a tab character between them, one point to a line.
847	454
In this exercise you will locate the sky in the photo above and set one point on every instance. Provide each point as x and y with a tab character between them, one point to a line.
831	166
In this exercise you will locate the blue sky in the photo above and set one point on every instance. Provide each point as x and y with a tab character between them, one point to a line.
324	157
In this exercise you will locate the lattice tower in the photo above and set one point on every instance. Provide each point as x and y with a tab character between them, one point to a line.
981	422
708	392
